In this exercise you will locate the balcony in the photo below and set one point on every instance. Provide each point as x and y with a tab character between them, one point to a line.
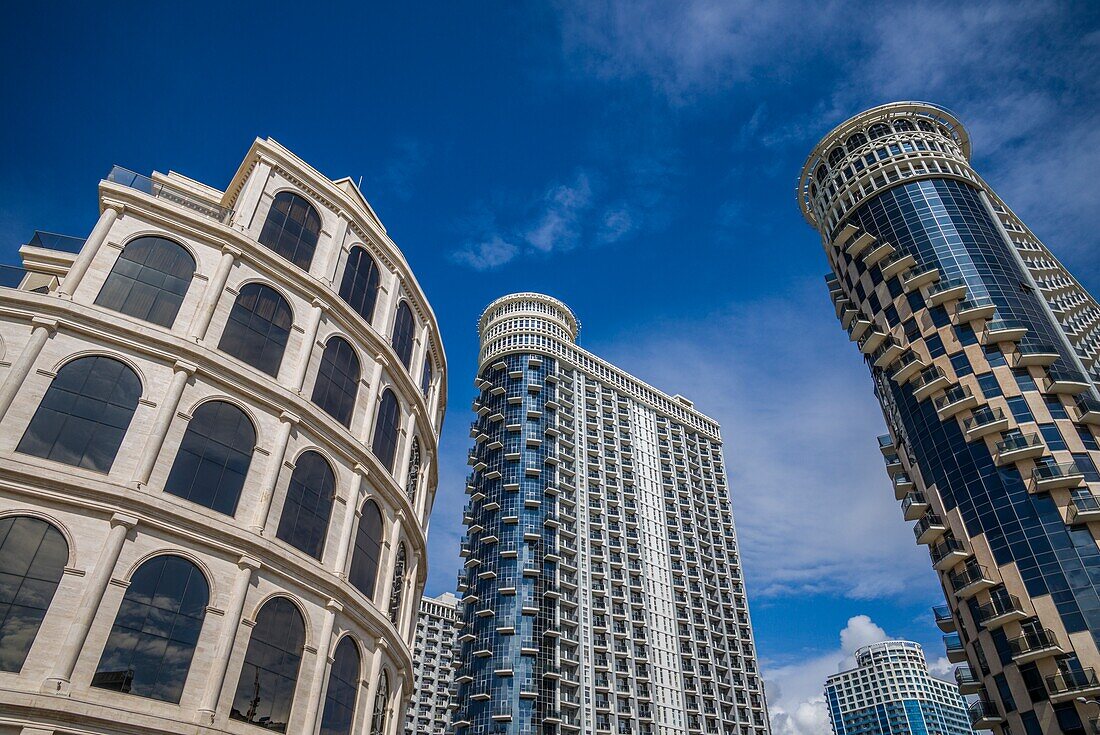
870	341
1088	409
983	715
920	276
970	581
11	276
974	309
896	264
929	528
956	652
944	291
848	315
877	253
902	485
858	328
947	553
928	382
859	244
53	241
887	352
832	282
944	619
893	464
161	190
1067	685
1000	611
967	681
1069	382
1055	475
886	444
914	505
1021	446
1030	353
840	303
1003	330
1084	509
908	365
985	420
1034	645
959	398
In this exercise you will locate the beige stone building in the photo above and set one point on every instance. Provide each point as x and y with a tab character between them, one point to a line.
220	417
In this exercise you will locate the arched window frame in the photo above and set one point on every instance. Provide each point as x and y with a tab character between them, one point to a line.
92	438
25	604
387	428
342	692
336	387
403	338
412	478
361	282
222	449
242	337
296	240
366	557
397	586
379	709
307	508
281	684
149	280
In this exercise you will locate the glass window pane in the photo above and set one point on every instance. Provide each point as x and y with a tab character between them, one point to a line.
292	229
32	559
149	280
308	505
213	458
258	328
359	285
269	676
337	382
368	549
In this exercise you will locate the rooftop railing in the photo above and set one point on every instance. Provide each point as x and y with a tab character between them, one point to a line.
54	241
160	190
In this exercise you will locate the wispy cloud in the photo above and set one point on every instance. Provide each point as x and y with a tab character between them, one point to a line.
558	225
487	254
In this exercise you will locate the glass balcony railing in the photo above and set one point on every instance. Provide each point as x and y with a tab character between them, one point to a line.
1071	682
945	285
982	711
965	677
1055	471
976	307
927	376
11	276
997	607
1032	642
943	549
984	416
1084	507
1019	442
942	614
170	193
971	574
1088	408
953	643
958	394
53	241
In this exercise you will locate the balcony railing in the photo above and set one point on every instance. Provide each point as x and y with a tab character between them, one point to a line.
11	276
954	400
1003	330
1084	509
946	290
1019	445
53	241
1088	409
928	528
948	551
999	610
970	578
978	307
1071	683
1033	353
1057	475
944	619
170	193
928	381
1064	381
983	713
967	681
1033	643
985	420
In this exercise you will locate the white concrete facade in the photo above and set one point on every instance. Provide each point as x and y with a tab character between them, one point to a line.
434	653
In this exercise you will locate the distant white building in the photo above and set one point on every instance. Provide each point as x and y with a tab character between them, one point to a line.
433	657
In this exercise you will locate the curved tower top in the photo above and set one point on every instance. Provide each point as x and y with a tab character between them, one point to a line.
873	150
531	314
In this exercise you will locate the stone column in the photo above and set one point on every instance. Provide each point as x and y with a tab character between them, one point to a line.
249	199
88	252
421	507
420	354
274	468
349	522
380	648
200	322
41	330
231	623
330	258
387	305
433	401
395	721
168	408
374	394
96	585
309	340
321	668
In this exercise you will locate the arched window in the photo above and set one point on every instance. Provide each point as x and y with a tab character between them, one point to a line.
903	126
265	691
855	141
343	687
926	126
398	586
381	700
836	156
84	415
368	549
878	130
414	470
292	228
33	555
821	173
337	383
402	340
426	376
213	459
359	286
384	444
258	328
308	505
149	280
153	639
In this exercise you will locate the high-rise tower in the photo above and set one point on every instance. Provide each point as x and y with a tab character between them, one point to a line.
602	588
429	710
983	350
890	692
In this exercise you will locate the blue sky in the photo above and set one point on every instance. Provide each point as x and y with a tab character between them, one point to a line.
636	160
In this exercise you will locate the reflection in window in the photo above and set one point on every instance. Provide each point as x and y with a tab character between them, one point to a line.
343	686
308	505
265	691
359	286
368	549
378	713
337	382
149	280
213	459
84	415
384	444
258	328
414	471
403	334
33	555
153	639
292	229
398	585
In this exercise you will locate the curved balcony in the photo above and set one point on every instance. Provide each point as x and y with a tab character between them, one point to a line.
1034	645
877	253
968	683
974	309
920	276
914	505
1084	509
1067	685
886	444
956	651
896	264
858	328
1003	330
857	244
929	381
1088	409
908	365
951	289
947	553
1000	611
1056	475
958	398
1065	382
893	464
971	580
983	421
871	341
983	715
887	353
1030	353
929	528
944	620
1021	446
848	315
902	485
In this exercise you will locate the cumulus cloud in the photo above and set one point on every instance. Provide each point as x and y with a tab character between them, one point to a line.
558	225
487	254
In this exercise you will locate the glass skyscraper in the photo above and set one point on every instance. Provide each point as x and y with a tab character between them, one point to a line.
890	692
983	351
602	589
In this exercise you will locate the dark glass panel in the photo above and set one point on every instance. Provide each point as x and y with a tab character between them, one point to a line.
343	686
258	328
403	337
149	280
384	444
292	229
33	555
305	517
265	691
368	549
337	383
359	285
213	459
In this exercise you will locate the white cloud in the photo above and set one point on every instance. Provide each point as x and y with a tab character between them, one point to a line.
487	254
558	226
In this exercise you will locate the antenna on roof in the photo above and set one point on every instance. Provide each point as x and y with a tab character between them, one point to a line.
360	184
